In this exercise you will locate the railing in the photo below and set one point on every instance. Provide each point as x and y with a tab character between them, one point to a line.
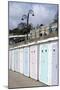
34	36
34	43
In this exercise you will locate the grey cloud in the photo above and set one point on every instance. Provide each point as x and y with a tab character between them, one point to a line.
43	13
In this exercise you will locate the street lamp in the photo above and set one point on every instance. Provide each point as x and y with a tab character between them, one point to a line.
27	17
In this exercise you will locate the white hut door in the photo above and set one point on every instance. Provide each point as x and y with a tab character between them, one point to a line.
55	63
33	62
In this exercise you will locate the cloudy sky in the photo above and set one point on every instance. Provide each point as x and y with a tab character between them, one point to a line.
43	13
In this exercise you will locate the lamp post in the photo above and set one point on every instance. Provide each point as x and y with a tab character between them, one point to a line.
27	17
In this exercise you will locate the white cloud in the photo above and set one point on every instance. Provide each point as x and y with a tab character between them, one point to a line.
42	14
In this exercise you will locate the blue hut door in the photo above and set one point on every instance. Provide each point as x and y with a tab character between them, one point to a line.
26	61
43	63
55	63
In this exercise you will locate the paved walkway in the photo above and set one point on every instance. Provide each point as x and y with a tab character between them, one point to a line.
17	80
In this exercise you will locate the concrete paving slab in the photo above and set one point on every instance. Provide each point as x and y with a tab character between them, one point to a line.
18	80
